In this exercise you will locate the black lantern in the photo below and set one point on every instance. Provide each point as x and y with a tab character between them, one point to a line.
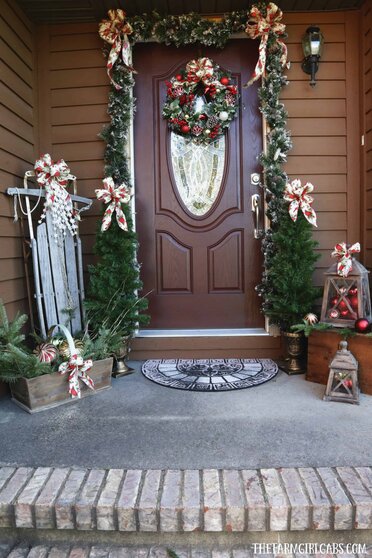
312	44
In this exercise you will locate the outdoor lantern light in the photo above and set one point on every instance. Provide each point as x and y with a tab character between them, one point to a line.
312	44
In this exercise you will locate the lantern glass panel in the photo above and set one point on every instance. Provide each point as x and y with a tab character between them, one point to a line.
346	299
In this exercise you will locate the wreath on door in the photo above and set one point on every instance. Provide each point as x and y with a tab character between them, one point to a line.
201	101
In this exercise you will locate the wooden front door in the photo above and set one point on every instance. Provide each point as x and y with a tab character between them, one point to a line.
201	269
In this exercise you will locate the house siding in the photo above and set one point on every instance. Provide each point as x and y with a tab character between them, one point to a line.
324	121
366	88
17	143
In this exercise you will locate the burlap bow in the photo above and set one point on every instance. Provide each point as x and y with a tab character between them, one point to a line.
77	367
115	31
345	258
200	70
114	197
299	198
260	26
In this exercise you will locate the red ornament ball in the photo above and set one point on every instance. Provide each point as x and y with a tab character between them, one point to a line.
362	325
202	117
334	314
349	383
185	129
342	306
179	77
354	302
333	301
353	291
344	314
225	80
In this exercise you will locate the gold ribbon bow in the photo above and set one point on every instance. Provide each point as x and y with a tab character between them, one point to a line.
200	70
115	31
260	26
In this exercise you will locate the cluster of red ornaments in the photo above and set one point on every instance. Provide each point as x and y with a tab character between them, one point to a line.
348	310
340	309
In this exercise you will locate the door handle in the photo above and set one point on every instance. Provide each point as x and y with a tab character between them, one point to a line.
256	203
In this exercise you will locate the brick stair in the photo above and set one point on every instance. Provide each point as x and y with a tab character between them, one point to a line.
115	513
12	550
175	501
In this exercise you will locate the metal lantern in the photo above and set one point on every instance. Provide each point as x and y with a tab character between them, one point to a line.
312	45
346	299
343	377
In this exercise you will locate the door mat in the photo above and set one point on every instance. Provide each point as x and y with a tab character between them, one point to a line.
210	374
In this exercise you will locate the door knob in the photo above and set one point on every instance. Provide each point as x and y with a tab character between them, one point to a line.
256	204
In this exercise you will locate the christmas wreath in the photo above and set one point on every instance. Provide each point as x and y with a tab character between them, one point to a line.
201	101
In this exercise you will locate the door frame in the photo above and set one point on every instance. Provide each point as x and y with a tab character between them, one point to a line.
268	329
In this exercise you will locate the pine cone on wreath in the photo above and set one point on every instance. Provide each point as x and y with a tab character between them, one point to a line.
212	121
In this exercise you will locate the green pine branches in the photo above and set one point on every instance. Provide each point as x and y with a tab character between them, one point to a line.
113	300
289	250
16	361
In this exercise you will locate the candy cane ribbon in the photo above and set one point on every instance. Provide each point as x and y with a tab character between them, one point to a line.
299	198
114	197
200	70
260	26
344	255
115	31
77	368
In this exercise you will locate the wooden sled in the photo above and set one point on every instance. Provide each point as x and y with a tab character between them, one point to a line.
57	267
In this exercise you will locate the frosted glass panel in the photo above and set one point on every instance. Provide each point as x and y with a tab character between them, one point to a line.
198	171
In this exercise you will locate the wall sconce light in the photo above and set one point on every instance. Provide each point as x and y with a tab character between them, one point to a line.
312	45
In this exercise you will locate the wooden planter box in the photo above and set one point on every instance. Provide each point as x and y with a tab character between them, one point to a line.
323	346
51	390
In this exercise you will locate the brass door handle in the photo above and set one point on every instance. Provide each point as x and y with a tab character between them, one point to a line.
256	203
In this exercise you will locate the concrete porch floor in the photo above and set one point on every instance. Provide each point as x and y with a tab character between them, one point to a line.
138	424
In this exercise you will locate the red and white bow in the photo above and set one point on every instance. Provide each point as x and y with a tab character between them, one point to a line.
54	176
299	198
260	26
51	172
77	367
345	258
115	31
114	197
200	70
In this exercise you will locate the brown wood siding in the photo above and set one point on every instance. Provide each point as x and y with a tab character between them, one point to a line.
17	142
74	93
366	87
324	122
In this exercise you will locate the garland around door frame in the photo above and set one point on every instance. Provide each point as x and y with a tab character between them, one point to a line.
262	22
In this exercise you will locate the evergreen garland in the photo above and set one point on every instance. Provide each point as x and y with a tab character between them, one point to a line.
114	280
289	257
289	251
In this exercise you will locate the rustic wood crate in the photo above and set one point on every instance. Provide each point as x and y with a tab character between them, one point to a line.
323	346
51	390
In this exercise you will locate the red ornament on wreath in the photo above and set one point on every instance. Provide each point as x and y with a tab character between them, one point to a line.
196	96
362	325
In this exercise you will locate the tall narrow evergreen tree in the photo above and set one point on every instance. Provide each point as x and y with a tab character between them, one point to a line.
114	281
289	250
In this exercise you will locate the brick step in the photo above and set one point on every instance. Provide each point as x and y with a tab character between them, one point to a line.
154	551
175	501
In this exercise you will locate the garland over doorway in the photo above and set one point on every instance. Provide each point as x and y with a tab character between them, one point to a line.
262	22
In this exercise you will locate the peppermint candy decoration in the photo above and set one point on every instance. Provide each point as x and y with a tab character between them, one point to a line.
55	177
46	352
114	197
299	198
344	254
